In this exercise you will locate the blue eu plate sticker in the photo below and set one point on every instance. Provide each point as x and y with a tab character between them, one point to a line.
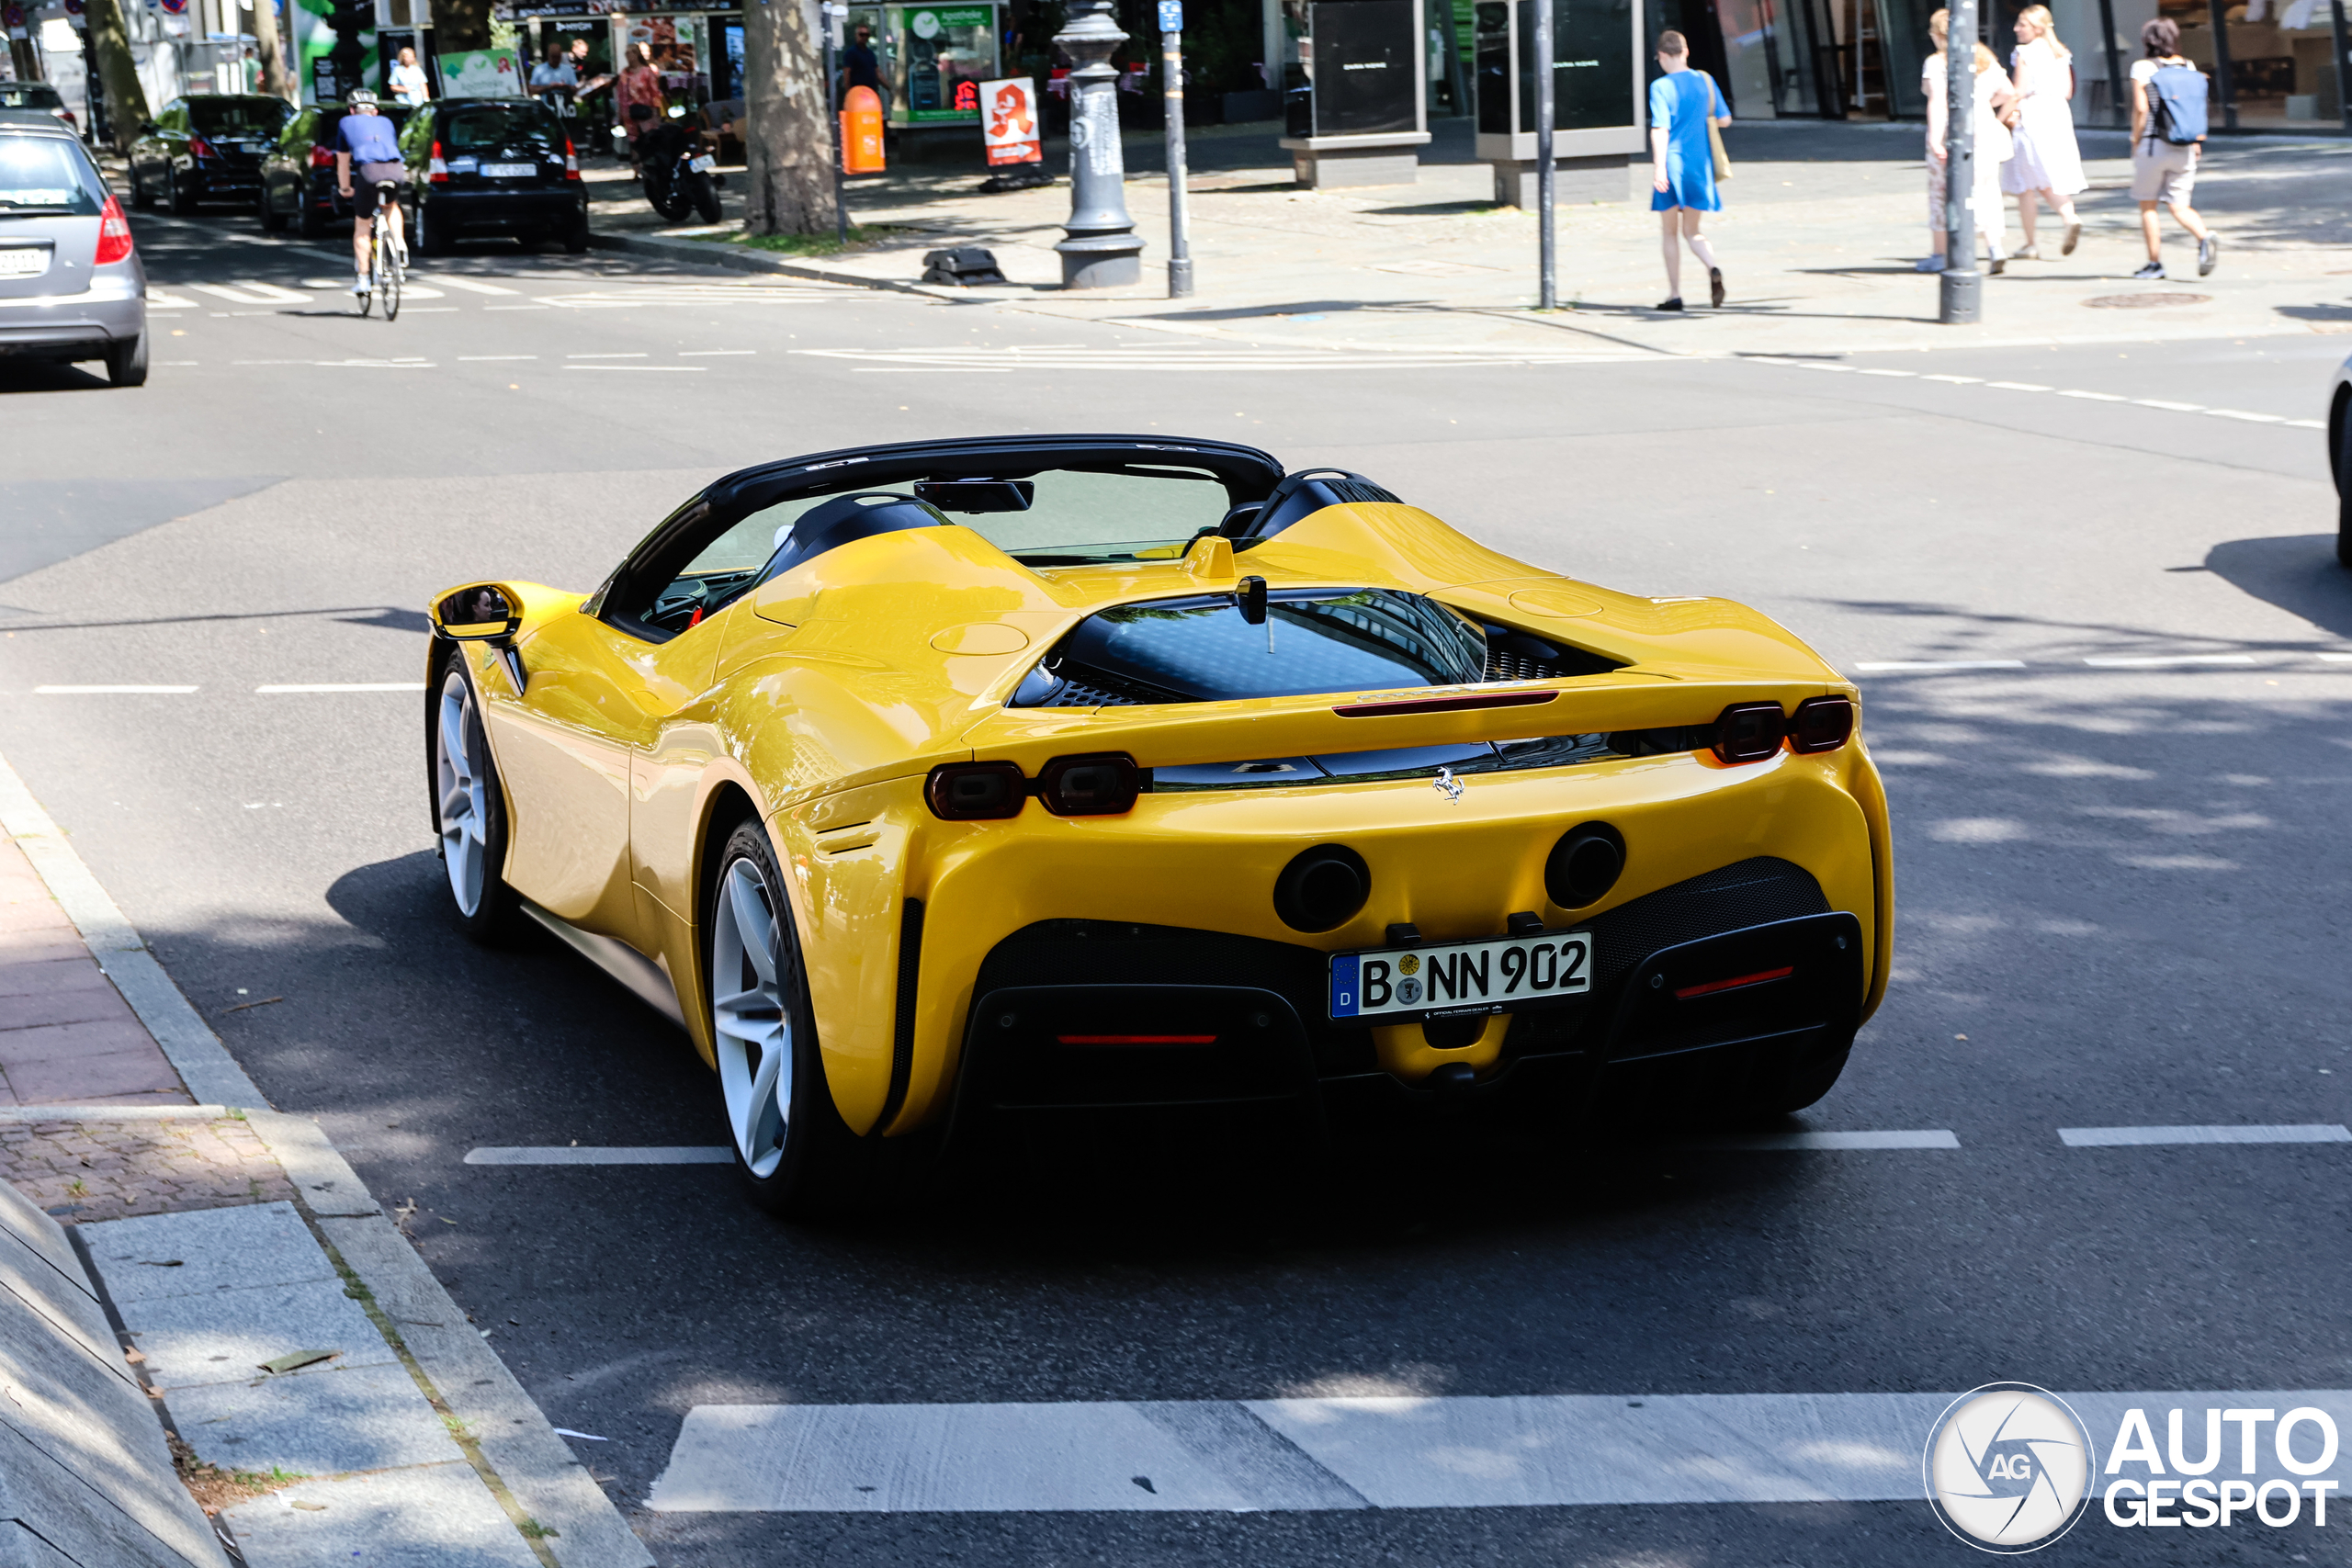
1171	16
1343	986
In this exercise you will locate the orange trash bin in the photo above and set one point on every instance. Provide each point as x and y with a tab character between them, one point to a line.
862	133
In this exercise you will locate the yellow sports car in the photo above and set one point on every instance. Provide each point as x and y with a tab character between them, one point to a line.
1038	773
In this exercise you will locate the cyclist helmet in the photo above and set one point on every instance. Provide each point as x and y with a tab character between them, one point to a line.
360	96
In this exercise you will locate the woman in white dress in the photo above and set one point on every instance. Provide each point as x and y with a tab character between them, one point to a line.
2046	165
1990	154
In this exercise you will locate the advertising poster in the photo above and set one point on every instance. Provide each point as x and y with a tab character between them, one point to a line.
1009	122
481	73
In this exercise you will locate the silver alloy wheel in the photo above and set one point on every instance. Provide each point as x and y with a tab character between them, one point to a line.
749	1022
464	794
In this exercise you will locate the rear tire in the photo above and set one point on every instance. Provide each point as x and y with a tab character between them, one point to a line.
705	196
176	195
469	808
575	239
139	200
127	361
272	220
794	1154
2343	423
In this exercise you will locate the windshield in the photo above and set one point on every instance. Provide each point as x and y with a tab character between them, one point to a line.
30	96
500	130
1078	518
47	174
237	117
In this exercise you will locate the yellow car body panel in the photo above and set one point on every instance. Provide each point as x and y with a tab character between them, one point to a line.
826	697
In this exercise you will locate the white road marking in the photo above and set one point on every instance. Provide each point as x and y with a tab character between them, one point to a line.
696	368
2020	387
2307	424
1211	1456
234	296
343	686
1206	358
112	691
2175	407
1902	373
488	358
2254	418
2095	397
712	352
1886	664
575	1155
469	285
270	293
2158	660
2120	1137
2337	658
159	301
1956	381
1925	1138
518	306
605	356
930	371
411	289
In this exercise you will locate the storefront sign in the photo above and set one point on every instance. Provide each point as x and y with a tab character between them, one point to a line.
1009	122
481	73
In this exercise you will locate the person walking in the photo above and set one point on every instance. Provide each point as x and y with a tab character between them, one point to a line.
1686	107
1992	95
638	83
2046	165
2164	171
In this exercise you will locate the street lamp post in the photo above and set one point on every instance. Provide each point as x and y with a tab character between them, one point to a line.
1171	64
1963	287
1547	294
1101	250
834	14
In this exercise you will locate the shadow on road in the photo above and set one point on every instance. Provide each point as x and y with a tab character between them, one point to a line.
2297	572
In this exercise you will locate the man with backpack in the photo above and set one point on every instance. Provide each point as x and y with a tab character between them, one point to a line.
2168	125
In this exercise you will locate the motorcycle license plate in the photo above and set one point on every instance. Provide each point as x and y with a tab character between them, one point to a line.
703	164
510	171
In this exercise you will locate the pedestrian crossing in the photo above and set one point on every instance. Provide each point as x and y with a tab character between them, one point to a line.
1013	358
258	294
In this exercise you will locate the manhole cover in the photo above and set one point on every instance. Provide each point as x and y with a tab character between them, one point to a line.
2145	301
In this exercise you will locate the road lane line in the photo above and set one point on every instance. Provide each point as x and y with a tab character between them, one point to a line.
2253	418
2018	386
343	686
1343	1453
605	356
518	306
712	352
2336	658
270	293
574	1155
111	691
1923	1138
2138	1137
2158	660
470	286
221	291
1888	664
491	359
159	301
2095	397
1956	381
696	369
2175	407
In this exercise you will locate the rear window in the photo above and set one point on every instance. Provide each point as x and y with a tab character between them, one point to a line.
47	174
30	96
237	117
502	131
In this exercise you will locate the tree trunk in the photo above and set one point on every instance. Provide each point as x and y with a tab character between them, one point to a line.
459	26
276	80
787	139
109	42
27	63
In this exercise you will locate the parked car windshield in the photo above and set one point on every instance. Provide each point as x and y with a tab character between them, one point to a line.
47	174
501	131
237	117
30	96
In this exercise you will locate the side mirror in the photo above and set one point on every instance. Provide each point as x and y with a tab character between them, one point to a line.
479	612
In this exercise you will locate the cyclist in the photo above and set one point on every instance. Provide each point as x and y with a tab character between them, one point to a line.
366	138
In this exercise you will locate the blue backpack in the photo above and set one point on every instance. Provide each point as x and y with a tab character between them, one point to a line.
2177	103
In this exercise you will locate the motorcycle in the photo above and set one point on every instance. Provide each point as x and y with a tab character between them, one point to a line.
677	174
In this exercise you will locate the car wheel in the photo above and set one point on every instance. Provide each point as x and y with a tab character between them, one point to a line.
311	226
127	361
272	220
176	196
795	1156
468	809
427	232
575	239
139	200
2344	483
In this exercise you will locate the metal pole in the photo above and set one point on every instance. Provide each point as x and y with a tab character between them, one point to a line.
2118	109
1961	291
2342	59
1101	250
2223	85
833	20
1547	293
1180	250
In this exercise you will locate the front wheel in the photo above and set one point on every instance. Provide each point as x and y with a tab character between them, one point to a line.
704	195
388	273
272	220
469	808
791	1148
181	200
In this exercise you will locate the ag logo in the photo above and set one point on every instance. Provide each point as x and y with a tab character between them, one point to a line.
2008	1468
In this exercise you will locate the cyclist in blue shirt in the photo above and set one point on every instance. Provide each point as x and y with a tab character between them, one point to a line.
365	137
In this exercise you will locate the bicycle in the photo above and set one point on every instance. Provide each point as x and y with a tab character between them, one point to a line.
385	263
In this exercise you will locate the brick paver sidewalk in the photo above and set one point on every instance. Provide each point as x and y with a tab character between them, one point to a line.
66	1035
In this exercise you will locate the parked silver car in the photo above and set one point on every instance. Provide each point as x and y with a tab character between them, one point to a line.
72	285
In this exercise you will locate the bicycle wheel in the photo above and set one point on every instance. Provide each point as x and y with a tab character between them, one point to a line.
388	272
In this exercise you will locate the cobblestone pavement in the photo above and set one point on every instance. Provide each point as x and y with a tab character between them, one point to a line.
83	1171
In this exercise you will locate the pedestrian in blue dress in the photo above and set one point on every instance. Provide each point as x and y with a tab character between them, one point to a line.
1683	104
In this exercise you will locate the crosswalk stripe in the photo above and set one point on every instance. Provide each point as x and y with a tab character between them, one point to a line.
1246	1456
2132	1137
159	301
271	294
471	285
234	296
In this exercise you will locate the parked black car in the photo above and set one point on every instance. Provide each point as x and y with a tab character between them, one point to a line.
494	166
205	147
298	174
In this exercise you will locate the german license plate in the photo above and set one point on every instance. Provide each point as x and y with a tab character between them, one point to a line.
510	171
703	164
24	261
1439	978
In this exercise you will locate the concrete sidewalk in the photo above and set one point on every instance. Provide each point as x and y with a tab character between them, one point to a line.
324	1398
1821	225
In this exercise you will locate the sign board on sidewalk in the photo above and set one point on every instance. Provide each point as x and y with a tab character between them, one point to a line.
1008	121
481	73
1171	16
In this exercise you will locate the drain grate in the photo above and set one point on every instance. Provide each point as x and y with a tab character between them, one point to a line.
2145	301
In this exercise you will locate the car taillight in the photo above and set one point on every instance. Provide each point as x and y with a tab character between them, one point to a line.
321	158
977	792
114	234
198	147
571	160
1103	784
435	169
1822	724
1749	732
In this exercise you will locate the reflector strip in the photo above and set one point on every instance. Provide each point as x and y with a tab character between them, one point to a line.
1782	972
1136	1039
1446	704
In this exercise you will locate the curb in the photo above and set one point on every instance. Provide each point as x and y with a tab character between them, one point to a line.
520	1448
735	259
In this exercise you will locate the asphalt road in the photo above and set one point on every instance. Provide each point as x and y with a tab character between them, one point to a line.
2121	885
